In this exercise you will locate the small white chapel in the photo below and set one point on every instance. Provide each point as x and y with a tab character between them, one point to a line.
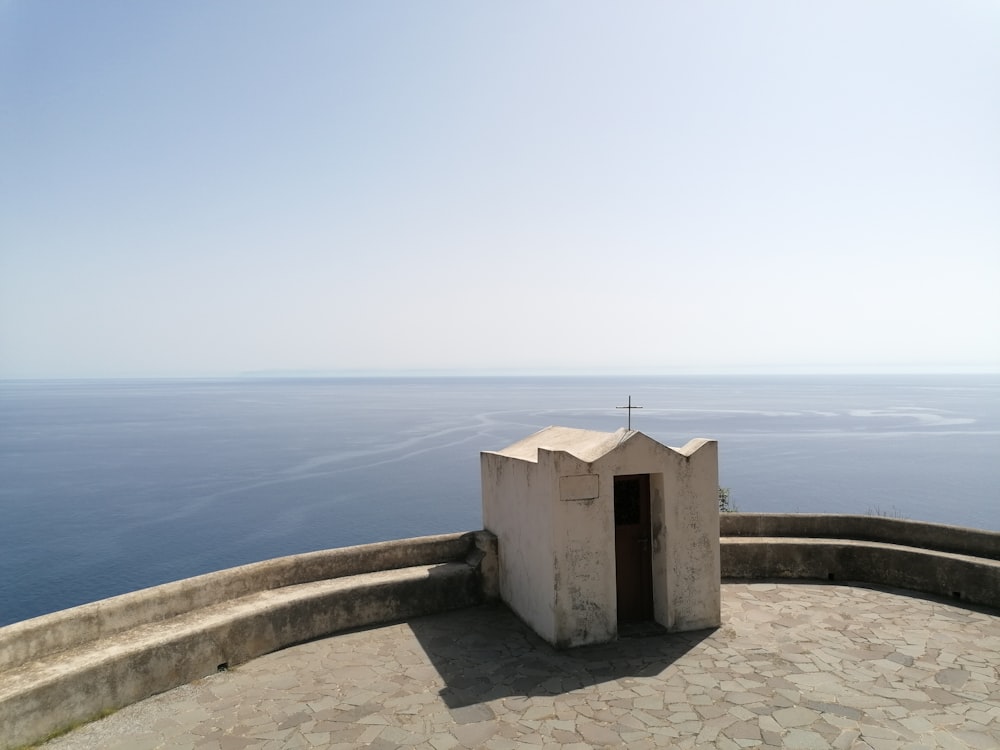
597	529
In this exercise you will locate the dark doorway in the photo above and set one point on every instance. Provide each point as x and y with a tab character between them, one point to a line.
633	554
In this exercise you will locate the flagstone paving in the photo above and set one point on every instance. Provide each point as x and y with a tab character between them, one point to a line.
796	665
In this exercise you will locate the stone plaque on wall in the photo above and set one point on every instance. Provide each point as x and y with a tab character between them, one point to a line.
579	487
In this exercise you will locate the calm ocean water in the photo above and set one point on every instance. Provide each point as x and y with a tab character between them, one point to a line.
110	486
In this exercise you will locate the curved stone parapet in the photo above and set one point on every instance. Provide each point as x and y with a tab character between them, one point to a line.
935	536
68	628
70	666
947	561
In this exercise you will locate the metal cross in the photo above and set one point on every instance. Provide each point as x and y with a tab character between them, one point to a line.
630	408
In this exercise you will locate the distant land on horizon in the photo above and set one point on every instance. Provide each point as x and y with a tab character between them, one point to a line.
527	372
613	372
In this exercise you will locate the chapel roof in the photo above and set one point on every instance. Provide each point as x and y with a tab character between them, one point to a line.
586	445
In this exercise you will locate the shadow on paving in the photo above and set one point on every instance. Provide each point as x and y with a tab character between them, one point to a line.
485	653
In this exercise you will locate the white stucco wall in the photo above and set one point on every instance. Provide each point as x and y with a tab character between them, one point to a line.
691	539
517	508
550	501
583	554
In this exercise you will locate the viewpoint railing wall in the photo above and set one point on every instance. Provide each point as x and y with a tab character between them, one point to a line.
949	561
67	667
70	666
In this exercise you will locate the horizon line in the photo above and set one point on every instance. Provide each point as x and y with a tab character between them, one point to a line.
386	373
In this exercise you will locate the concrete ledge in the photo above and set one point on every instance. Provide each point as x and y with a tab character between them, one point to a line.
25	641
104	670
948	561
65	668
936	536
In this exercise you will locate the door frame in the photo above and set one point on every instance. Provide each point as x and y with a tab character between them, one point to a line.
633	548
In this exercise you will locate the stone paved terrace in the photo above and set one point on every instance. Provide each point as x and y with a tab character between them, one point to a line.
797	665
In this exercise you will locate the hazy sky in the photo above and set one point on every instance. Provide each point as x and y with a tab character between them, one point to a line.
210	188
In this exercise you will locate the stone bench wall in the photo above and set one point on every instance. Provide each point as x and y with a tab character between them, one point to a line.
71	666
67	667
23	641
948	561
935	536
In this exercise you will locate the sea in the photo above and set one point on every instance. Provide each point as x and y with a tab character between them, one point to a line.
108	486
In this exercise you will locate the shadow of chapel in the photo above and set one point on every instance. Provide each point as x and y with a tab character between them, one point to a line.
486	653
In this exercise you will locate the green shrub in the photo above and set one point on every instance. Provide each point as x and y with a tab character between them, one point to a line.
725	504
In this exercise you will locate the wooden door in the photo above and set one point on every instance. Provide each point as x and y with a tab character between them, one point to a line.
633	553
